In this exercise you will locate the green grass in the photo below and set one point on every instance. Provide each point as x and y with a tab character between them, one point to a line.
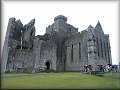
15	74
63	80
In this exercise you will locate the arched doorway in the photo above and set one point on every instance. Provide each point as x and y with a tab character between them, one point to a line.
48	65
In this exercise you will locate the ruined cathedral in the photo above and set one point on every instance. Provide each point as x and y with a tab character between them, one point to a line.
61	48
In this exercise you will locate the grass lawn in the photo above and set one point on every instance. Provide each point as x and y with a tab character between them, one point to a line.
62	80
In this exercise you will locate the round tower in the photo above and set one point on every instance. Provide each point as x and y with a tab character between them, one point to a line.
60	17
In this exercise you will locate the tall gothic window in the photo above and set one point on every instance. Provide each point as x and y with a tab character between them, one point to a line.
66	51
108	51
98	47
70	31
101	47
72	53
93	37
105	50
79	51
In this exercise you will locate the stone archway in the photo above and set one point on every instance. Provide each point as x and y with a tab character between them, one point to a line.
48	65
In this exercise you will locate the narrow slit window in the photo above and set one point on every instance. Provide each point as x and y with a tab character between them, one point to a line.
101	48
72	53
79	50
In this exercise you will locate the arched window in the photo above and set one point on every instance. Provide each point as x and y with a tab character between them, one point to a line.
101	47
98	47
18	47
79	51
31	33
105	50
72	53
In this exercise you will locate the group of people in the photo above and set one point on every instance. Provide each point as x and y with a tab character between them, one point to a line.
101	68
87	68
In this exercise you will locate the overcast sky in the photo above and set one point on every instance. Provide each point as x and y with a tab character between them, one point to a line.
80	14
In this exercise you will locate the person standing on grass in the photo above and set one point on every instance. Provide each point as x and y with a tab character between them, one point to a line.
86	68
98	68
90	68
119	67
106	68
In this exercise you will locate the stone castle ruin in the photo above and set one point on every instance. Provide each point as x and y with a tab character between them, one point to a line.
61	48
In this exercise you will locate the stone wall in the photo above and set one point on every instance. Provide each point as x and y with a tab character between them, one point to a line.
44	51
23	59
48	53
74	54
13	34
103	46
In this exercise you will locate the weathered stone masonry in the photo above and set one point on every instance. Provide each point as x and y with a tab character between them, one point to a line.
61	48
